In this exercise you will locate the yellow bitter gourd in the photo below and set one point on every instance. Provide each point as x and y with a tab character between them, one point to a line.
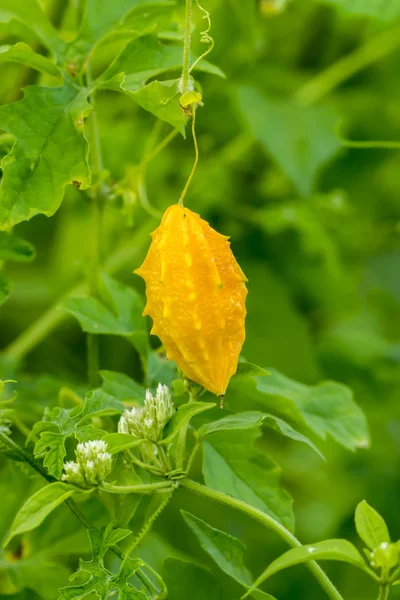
196	297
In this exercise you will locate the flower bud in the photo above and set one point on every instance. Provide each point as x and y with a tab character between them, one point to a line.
148	422
93	464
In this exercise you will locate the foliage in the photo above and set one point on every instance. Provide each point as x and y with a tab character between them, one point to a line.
296	123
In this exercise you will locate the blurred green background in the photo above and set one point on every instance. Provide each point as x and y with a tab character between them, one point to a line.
315	226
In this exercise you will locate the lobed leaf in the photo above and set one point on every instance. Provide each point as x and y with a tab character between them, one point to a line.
51	151
327	408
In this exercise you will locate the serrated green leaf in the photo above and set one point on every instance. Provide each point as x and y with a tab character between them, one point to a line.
5	288
226	550
327	408
182	416
370	526
384	10
23	54
303	142
234	466
101	581
59	424
15	249
39	506
340	550
122	387
50	152
117	311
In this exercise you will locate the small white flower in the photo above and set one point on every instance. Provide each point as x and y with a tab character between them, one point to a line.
311	550
93	464
148	422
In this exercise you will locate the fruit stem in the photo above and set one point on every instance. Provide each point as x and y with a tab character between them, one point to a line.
196	160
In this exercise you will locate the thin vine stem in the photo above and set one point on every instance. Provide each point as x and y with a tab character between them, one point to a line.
144	489
149	523
384	592
267	521
205	37
196	160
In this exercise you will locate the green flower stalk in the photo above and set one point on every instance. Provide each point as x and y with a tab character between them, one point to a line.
148	422
93	464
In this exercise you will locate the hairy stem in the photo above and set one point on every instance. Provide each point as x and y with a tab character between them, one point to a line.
185	81
267	521
349	65
149	523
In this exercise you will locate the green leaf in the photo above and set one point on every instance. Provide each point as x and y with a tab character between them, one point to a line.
23	54
161	370
340	550
254	419
385	10
118	311
39	506
117	442
5	288
182	416
234	466
145	57
101	581
246	370
370	526
122	387
304	140
32	18
41	163
161	98
15	248
327	408
187	580
226	550
100	19
59	424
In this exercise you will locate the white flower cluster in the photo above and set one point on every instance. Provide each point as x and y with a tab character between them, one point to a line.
148	422
93	464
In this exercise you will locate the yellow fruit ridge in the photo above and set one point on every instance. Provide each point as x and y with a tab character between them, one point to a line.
196	295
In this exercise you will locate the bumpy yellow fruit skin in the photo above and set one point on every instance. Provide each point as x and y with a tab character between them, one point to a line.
196	296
